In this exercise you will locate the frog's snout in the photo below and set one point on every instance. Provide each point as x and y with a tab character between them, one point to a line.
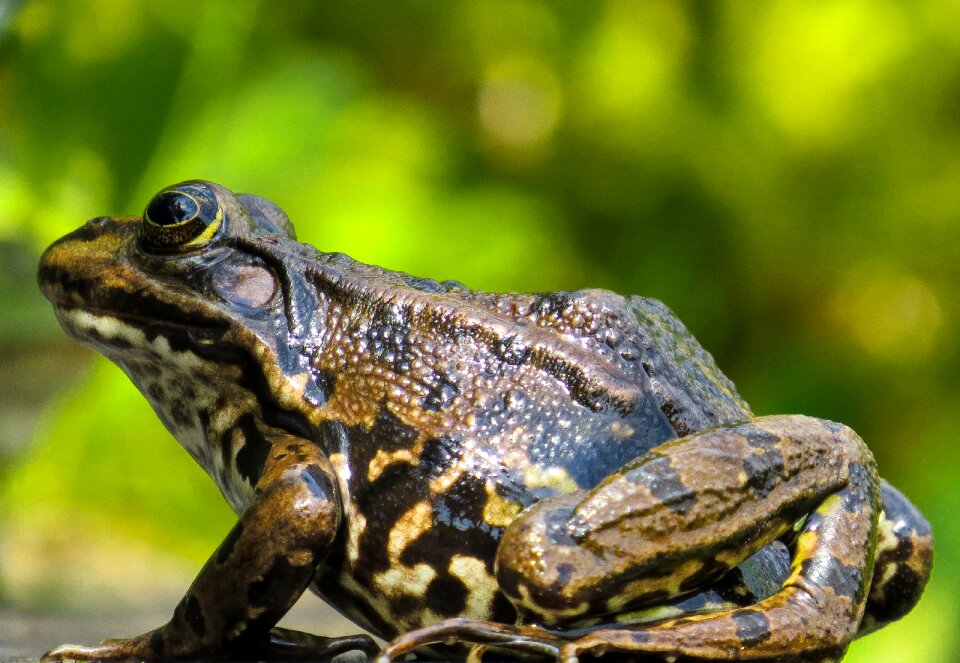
78	252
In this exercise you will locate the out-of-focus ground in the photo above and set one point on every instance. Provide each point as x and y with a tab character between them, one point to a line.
26	635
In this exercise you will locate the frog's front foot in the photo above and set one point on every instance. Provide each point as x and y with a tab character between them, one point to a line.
282	645
146	647
520	641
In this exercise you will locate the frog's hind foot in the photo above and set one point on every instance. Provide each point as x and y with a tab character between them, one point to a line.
520	641
289	645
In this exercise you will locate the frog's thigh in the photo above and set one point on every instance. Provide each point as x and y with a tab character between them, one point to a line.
692	508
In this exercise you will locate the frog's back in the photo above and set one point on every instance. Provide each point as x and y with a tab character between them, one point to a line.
636	339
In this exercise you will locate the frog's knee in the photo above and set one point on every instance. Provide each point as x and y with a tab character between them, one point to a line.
830	440
542	569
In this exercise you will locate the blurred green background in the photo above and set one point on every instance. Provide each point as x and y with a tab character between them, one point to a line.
785	175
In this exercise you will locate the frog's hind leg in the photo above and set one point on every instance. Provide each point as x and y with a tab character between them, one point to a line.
813	618
818	610
903	563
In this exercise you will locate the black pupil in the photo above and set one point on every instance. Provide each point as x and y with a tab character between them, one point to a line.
171	208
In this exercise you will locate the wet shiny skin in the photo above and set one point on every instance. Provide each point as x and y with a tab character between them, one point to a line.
553	474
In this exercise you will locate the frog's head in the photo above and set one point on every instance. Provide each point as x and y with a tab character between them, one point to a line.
198	300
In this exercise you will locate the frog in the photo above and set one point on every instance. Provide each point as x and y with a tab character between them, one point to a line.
553	475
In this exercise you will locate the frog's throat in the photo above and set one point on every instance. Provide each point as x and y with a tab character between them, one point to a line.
201	393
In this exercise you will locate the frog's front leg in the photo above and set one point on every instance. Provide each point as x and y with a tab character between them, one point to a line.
262	567
685	513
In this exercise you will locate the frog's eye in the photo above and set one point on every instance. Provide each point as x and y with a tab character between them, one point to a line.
182	217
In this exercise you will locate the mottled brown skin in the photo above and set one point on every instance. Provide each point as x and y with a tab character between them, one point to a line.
560	474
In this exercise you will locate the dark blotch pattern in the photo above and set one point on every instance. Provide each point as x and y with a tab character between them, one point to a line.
457	517
193	615
388	336
900	594
831	572
765	467
762	439
663	481
551	303
762	472
753	627
253	455
443	390
905	566
116	342
389	433
226	548
446	595
510	350
438	454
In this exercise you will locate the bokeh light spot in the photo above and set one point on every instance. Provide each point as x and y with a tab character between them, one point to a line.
519	103
813	63
35	19
102	29
497	29
893	314
629	62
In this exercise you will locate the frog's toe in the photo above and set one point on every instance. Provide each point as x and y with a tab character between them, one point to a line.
64	653
479	636
289	645
108	650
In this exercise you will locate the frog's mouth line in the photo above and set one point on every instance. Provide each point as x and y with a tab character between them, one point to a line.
139	306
